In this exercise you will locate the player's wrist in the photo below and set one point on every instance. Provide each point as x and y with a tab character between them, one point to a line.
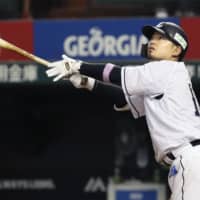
81	81
90	83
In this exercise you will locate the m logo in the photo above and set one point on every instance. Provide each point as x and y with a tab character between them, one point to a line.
95	185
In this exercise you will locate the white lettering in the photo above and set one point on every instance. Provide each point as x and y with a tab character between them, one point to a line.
27	184
95	185
141	40
82	45
30	73
70	46
123	46
109	43
198	71
15	73
191	70
136	196
3	73
97	44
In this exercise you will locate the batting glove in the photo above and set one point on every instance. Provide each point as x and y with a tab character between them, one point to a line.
80	81
63	68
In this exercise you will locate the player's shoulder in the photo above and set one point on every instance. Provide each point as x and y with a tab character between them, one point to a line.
163	67
163	64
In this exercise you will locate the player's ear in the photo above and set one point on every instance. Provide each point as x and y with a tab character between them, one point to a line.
177	51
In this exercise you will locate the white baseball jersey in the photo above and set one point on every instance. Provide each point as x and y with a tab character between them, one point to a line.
162	91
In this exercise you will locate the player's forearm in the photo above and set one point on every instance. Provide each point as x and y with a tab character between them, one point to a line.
103	72
68	66
115	93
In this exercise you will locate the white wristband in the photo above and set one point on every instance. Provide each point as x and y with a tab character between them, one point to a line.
90	83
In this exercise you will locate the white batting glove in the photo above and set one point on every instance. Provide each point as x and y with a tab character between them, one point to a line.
80	81
63	68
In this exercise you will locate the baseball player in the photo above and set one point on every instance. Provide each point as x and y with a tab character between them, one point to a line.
160	90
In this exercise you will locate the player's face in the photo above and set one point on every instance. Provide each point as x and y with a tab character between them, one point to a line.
161	48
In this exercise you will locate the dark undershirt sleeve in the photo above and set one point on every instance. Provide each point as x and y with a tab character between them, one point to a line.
115	93
95	70
115	76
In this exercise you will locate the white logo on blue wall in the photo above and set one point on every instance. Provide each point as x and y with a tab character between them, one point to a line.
97	44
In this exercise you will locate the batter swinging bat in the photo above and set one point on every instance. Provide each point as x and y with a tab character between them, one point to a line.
7	45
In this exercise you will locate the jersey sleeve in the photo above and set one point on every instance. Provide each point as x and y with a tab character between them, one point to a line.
146	80
136	105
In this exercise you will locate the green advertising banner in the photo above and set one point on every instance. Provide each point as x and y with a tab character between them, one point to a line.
22	72
30	72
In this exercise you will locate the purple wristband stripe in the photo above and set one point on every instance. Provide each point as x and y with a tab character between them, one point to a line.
106	72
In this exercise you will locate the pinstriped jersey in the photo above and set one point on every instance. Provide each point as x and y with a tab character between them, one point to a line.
162	92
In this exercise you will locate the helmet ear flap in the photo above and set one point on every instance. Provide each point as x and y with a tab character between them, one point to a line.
181	56
144	50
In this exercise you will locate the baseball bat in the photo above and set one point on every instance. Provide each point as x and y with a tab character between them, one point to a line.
7	45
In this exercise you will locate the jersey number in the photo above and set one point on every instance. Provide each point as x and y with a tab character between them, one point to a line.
197	112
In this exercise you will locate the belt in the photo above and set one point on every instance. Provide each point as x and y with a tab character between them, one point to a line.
170	157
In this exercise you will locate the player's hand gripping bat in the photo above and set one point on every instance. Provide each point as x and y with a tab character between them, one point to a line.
7	45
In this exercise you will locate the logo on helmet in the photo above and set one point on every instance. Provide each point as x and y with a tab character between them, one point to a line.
160	25
179	38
